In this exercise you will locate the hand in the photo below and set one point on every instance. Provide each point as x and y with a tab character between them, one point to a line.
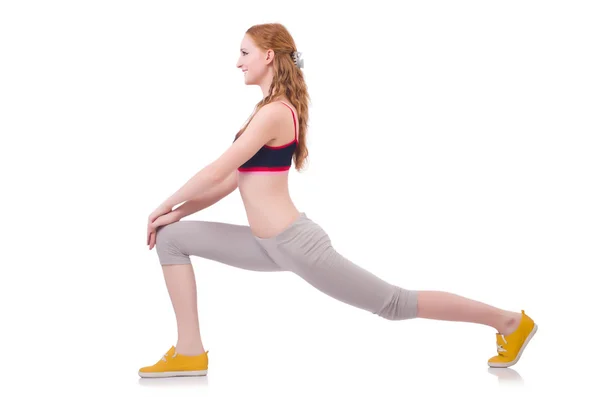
161	210
162	220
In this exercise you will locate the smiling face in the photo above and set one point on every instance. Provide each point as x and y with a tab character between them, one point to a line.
253	61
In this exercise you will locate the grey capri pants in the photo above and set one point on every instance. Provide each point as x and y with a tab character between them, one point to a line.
303	248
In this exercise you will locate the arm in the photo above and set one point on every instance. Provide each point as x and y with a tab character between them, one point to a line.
260	130
208	198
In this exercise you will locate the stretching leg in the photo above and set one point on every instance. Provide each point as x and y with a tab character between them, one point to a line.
308	252
229	244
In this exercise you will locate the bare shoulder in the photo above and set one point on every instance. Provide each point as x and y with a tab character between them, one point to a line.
283	118
276	111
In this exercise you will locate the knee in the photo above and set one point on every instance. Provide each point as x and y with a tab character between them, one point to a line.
168	244
402	305
166	234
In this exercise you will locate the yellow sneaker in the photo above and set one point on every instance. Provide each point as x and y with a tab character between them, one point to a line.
510	347
174	364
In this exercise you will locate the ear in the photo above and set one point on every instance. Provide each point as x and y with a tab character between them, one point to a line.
269	56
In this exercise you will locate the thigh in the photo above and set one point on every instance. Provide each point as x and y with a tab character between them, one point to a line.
230	244
308	251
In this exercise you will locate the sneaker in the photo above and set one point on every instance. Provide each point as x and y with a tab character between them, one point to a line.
510	347
174	364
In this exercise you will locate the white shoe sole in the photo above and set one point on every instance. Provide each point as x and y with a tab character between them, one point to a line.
513	362
171	374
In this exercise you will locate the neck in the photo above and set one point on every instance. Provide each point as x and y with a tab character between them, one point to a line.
266	83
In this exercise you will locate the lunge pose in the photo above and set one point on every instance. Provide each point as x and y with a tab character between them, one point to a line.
279	236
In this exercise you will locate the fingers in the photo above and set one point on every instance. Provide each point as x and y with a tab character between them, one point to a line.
152	239
152	234
153	226
148	231
151	229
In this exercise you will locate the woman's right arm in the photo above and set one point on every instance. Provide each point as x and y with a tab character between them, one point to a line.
209	197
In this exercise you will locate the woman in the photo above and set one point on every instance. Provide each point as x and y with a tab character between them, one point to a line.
280	237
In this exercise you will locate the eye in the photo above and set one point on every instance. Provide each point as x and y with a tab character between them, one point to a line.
244	52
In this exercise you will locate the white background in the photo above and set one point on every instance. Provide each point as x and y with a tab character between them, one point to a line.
453	146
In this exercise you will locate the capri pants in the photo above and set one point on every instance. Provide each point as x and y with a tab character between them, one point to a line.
303	248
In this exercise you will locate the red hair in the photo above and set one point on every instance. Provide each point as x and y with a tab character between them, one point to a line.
288	80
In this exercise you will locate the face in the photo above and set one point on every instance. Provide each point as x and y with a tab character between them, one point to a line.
253	61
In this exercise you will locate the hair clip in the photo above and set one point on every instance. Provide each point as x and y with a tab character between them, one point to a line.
297	56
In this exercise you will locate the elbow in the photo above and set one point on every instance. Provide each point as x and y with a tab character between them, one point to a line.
217	176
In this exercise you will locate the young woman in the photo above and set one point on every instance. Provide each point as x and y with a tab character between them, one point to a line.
279	236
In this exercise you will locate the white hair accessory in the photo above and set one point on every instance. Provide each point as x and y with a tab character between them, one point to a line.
297	56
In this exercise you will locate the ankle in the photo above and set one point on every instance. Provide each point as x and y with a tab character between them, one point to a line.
509	323
189	349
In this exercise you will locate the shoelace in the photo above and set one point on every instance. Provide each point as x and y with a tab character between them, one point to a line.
164	357
499	347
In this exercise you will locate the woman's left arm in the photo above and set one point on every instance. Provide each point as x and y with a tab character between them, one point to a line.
202	181
261	129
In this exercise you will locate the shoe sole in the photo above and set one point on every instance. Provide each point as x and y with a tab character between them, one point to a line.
513	362
171	374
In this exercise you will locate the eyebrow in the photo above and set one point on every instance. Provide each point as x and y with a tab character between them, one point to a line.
243	49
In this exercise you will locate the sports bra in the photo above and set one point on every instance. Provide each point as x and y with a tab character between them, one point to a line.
273	158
